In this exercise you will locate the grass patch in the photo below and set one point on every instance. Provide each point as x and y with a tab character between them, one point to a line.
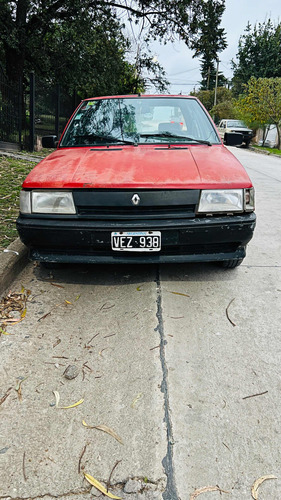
38	154
12	175
273	151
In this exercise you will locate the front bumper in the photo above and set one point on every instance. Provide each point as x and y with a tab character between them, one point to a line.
183	240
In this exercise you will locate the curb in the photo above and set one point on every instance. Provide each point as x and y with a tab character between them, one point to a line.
12	261
262	152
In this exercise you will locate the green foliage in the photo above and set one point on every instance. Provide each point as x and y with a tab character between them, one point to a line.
207	97
258	54
12	175
79	46
224	109
82	45
268	150
209	40
262	102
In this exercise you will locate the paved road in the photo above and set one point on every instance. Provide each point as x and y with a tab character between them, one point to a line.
159	363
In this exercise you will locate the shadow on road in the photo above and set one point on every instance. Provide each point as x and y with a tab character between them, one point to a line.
90	274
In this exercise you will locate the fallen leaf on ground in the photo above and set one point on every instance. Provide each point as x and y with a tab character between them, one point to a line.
205	490
67	302
257	483
18	387
112	433
55	284
99	486
179	293
4	333
5	396
19	383
227	315
137	398
11	304
72	406
57	396
104	428
106	306
86	425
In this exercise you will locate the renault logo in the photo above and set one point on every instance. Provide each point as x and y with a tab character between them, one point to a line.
135	199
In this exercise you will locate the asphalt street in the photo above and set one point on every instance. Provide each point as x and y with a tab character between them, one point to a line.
182	362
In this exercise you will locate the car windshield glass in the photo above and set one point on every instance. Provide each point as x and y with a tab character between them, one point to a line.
236	123
139	120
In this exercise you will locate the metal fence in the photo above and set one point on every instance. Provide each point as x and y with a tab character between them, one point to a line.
52	109
26	114
11	104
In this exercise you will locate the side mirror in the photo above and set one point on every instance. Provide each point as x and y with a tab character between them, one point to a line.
49	141
233	139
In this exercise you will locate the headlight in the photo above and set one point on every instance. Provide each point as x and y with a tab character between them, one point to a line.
47	202
52	202
221	200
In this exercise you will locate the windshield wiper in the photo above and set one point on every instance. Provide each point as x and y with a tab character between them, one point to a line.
108	138
175	136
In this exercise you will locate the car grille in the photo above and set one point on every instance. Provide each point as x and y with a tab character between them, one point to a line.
118	213
153	204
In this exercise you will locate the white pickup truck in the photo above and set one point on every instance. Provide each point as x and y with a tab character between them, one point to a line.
235	126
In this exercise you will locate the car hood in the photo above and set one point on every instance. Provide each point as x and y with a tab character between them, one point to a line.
143	166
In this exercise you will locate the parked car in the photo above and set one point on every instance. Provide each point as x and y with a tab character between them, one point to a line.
227	127
138	179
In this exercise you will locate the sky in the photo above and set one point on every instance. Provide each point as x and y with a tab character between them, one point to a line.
184	72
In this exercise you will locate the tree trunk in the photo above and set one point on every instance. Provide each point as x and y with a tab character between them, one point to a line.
278	135
15	52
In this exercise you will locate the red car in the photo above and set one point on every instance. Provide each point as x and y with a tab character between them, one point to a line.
136	179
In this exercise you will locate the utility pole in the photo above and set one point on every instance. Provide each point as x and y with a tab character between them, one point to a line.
208	78
216	86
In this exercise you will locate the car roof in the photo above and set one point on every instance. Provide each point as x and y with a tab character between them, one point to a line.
142	96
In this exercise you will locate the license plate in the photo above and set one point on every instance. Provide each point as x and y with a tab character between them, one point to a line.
136	241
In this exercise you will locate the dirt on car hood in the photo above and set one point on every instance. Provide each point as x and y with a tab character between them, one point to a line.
144	166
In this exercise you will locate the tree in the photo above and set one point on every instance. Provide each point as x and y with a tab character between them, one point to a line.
95	64
209	41
262	102
207	98
225	109
72	44
258	54
30	27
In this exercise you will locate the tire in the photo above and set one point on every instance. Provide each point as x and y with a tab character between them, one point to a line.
231	264
247	143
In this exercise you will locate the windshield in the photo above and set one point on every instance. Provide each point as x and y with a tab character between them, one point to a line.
236	123
139	120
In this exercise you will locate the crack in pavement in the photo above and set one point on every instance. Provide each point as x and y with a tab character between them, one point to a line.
50	495
171	491
143	487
